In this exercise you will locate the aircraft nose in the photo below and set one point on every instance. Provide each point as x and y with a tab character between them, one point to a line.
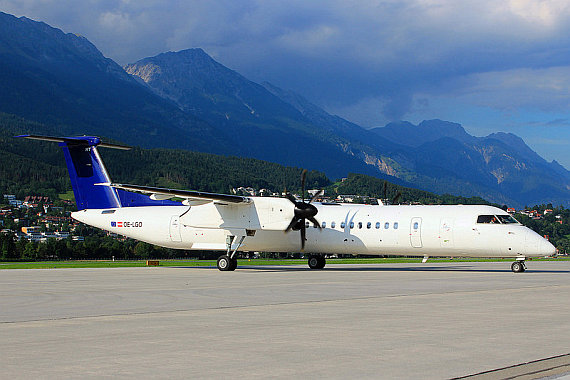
546	248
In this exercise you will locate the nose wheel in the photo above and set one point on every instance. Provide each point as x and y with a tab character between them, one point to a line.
518	266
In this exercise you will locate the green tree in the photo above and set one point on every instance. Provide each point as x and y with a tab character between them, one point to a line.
143	250
30	251
8	247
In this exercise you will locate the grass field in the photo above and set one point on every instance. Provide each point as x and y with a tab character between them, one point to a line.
67	196
212	263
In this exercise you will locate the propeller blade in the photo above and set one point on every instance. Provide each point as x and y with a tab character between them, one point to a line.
303	238
291	225
315	222
318	194
396	197
303	178
291	198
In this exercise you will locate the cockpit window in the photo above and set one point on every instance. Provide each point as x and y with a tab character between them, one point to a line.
492	219
496	219
507	219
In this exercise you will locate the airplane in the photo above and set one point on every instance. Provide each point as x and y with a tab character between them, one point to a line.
195	220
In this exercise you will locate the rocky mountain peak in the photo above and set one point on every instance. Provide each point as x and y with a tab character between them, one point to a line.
406	133
50	48
444	128
182	69
516	143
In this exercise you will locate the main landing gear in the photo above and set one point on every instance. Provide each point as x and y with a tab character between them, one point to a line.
518	266
228	262
316	262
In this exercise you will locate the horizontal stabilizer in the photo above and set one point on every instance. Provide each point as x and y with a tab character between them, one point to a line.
79	140
187	194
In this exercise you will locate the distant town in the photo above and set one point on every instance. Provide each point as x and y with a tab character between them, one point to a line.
35	218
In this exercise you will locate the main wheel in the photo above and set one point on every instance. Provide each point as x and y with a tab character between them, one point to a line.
314	262
322	262
517	267
233	264
225	263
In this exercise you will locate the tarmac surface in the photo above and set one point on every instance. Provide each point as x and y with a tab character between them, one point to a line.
429	321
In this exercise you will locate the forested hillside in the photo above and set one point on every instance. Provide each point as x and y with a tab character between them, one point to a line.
38	168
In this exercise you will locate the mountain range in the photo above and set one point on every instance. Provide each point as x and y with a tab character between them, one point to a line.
188	100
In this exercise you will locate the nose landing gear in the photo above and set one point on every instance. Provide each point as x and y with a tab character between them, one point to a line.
518	266
317	262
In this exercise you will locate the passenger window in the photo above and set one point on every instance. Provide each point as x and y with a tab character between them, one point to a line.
368	225
386	225
377	225
307	224
324	224
359	225
333	224
351	225
342	225
416	225
395	225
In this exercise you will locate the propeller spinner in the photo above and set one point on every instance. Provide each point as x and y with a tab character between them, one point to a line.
303	211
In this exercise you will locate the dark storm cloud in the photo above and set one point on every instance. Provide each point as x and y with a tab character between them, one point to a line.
345	53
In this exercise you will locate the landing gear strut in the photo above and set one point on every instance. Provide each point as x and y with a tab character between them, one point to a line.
228	262
518	266
317	262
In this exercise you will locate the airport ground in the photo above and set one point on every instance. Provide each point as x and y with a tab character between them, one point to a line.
52	264
399	320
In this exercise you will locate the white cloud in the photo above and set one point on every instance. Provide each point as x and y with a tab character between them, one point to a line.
117	21
546	89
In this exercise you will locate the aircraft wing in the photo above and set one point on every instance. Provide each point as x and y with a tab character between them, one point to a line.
159	193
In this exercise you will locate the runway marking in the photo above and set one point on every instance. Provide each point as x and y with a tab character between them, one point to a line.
551	367
519	289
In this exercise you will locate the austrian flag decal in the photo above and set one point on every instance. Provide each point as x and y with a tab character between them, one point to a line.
127	224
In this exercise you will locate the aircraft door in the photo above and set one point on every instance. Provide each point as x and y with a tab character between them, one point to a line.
416	232
175	229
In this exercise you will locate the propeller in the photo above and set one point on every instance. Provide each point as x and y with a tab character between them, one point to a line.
384	191
398	195
303	211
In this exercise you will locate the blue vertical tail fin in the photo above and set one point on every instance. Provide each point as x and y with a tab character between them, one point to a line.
86	170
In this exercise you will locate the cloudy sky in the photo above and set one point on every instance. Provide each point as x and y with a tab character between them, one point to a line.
490	65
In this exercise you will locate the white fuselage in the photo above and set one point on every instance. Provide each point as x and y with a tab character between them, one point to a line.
348	229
